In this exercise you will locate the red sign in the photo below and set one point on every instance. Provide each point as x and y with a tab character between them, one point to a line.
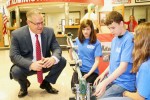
19	2
105	40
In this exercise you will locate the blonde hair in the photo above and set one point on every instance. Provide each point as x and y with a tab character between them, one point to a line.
31	13
141	51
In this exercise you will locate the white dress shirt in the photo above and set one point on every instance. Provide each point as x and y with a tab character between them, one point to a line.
33	39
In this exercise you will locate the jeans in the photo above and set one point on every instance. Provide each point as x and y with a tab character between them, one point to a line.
112	90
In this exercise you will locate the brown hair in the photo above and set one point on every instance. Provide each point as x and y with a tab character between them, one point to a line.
85	23
141	51
132	16
113	16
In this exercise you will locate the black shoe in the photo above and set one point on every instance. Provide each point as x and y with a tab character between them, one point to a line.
23	92
46	85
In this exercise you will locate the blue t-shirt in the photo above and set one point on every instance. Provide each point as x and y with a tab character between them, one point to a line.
121	51
87	53
143	80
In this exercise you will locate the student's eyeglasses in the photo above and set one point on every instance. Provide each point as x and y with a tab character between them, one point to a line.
37	24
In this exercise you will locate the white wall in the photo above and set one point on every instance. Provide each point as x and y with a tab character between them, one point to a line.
54	20
140	12
127	13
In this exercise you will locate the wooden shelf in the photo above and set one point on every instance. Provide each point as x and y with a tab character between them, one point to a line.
72	26
73	29
60	35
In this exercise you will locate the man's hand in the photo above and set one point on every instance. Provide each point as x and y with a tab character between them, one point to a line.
36	66
43	63
48	62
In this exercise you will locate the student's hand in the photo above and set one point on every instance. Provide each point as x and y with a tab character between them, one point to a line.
124	93
48	62
36	66
99	79
100	89
96	81
85	76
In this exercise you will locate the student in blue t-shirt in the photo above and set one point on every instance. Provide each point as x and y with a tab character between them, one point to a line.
119	73
89	51
141	65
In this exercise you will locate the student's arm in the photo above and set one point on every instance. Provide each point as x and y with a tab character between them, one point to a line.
127	22
133	95
106	71
95	65
101	87
121	69
101	76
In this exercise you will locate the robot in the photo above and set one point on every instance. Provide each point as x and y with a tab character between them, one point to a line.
83	90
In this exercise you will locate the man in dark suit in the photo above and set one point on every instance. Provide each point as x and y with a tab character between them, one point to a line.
23	54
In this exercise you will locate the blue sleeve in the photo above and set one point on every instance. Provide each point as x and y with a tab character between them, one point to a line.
98	49
143	80
127	51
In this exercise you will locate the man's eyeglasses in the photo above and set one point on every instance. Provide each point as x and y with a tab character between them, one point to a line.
37	24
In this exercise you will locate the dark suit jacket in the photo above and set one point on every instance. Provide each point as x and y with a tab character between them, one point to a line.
21	50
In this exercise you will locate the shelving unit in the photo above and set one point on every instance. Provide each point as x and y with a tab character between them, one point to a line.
73	29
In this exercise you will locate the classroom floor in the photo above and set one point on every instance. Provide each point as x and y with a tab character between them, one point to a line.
9	88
